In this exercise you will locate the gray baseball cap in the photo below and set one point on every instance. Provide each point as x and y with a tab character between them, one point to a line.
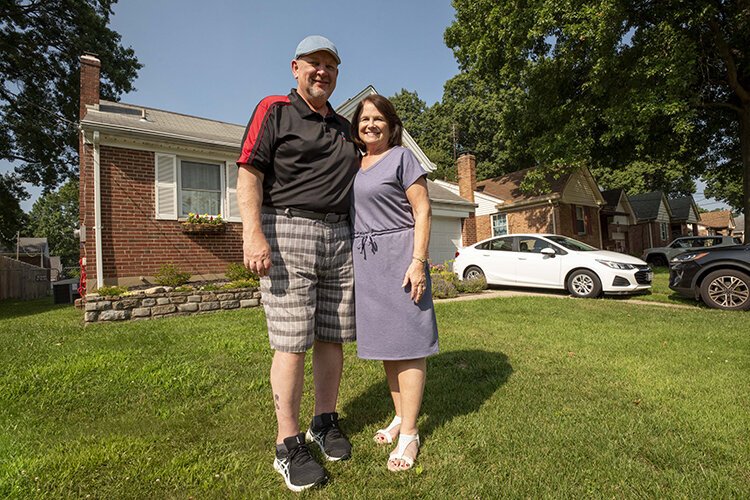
314	43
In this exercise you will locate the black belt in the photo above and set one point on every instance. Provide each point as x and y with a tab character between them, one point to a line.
307	214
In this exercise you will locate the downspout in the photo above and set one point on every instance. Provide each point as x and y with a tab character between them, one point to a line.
98	214
599	220
650	236
554	222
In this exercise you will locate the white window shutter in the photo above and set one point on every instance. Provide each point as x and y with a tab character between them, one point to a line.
232	212
166	186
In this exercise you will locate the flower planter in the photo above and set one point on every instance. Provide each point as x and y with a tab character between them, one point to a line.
191	228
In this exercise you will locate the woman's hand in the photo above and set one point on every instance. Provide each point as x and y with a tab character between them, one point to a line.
415	276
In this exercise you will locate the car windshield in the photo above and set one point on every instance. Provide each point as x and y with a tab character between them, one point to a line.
570	243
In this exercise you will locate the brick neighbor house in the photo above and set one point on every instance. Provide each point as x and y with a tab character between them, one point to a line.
142	170
685	216
653	221
616	218
570	207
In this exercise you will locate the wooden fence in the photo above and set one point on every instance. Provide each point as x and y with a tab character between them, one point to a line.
19	280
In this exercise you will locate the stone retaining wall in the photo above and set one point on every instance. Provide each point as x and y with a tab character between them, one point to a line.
161	302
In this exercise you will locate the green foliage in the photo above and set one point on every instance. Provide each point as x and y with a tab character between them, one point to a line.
204	219
472	285
210	287
238	272
12	218
170	275
249	283
55	216
183	289
443	288
112	291
647	94
39	69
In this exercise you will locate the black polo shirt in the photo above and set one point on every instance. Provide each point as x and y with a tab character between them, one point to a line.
308	161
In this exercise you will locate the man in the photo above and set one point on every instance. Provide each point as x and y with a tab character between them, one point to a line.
295	173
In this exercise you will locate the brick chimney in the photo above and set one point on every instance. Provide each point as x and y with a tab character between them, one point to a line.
467	184
90	69
467	176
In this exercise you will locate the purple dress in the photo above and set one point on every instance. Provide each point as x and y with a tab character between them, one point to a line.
390	326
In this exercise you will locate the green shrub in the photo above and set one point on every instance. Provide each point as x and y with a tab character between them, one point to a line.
241	284
183	289
443	288
472	285
238	272
111	291
170	275
210	287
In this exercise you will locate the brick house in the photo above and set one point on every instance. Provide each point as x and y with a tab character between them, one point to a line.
570	207
616	218
685	216
142	170
653	221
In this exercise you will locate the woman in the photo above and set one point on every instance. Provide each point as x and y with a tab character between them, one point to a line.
395	317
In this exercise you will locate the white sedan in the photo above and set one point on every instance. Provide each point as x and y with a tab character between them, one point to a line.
553	261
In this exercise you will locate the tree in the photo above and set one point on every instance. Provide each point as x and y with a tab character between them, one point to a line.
12	218
40	43
647	94
55	216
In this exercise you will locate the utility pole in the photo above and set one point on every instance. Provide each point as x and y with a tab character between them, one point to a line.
18	244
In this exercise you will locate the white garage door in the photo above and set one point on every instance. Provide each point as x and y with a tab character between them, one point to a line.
445	239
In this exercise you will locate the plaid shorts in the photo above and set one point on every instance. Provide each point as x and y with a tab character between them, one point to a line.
309	291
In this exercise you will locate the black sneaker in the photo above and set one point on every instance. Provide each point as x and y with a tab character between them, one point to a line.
324	430
299	468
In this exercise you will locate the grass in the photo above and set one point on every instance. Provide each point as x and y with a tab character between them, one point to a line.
529	397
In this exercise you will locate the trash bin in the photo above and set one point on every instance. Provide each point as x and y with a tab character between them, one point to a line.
65	291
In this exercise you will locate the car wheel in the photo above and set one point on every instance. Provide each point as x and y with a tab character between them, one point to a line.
657	260
584	283
726	289
473	272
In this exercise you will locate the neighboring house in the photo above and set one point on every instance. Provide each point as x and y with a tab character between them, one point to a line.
617	217
739	229
34	251
143	170
719	222
570	207
653	221
685	217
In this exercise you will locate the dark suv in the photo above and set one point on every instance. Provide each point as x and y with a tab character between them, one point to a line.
720	276
661	256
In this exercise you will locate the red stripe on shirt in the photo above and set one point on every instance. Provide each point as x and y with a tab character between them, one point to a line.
256	125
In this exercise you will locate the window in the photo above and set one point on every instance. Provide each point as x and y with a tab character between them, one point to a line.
502	244
580	220
200	188
185	185
499	224
664	230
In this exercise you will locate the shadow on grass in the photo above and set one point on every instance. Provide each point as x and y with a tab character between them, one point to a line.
458	383
15	308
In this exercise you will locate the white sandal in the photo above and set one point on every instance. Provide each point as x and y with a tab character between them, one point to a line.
387	431
404	440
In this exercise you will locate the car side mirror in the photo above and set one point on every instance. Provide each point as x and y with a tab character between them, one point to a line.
548	251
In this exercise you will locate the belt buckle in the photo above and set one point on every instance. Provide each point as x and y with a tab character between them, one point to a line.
288	213
334	218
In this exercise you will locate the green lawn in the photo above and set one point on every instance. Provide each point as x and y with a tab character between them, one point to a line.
530	397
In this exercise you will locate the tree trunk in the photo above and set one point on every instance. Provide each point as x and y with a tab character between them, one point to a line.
745	153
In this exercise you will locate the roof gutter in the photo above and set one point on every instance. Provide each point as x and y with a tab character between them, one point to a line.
156	135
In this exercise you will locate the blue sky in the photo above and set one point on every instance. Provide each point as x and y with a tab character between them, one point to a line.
218	59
